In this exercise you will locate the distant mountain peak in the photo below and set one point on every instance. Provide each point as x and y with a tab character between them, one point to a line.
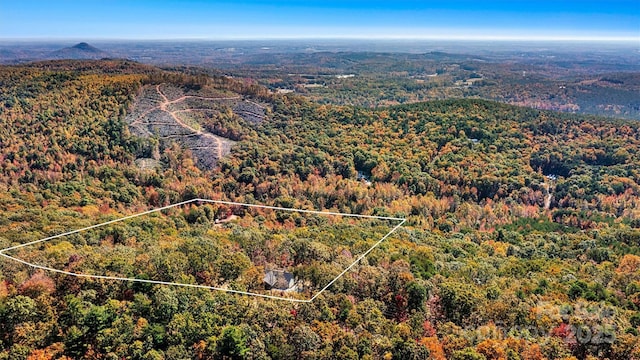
85	47
79	51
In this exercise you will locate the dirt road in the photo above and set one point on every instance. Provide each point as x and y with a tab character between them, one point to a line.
166	102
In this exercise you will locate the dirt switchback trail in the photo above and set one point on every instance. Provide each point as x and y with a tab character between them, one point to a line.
155	115
163	107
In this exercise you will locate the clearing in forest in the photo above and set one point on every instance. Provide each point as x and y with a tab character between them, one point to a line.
171	114
265	251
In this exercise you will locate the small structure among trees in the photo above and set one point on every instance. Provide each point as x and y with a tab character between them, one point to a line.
279	280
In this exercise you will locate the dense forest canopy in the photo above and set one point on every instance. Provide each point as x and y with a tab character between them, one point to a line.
522	239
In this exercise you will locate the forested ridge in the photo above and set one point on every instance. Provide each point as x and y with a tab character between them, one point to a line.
521	240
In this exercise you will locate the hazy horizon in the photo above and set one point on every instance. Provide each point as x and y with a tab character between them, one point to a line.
76	39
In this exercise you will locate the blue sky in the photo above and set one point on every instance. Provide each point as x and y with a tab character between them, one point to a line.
144	19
